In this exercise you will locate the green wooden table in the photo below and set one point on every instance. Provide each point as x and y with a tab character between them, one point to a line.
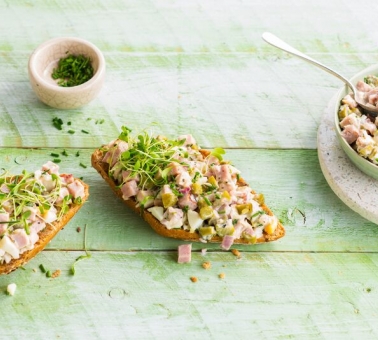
196	67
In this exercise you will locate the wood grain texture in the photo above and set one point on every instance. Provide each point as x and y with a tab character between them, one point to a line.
291	180
150	296
196	67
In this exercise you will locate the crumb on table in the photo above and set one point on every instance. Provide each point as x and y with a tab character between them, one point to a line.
193	279
56	273
222	275
206	265
235	252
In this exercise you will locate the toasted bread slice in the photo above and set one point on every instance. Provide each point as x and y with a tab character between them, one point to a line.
103	169
45	235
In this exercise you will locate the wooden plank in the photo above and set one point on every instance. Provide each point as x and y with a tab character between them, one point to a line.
291	180
230	100
148	295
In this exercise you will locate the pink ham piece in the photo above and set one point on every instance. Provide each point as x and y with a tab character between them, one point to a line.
76	189
51	168
227	242
350	134
362	86
20	237
129	189
184	253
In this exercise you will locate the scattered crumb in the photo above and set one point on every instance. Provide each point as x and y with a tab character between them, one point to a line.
78	229
222	275
206	265
203	251
34	270
11	289
236	252
193	279
56	273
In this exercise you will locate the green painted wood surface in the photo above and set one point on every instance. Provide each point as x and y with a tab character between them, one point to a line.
196	67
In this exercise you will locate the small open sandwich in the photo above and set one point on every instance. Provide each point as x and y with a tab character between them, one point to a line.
34	207
185	192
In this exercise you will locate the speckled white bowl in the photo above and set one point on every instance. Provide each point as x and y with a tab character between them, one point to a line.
363	164
46	57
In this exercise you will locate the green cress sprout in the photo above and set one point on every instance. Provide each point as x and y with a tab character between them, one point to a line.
148	156
73	70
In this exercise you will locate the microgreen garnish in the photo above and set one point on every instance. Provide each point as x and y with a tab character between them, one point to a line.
218	152
149	157
73	70
81	257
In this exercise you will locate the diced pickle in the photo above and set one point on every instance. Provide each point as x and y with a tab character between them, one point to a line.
196	188
213	181
206	231
169	199
259	198
206	212
344	111
223	231
201	202
250	238
244	208
226	195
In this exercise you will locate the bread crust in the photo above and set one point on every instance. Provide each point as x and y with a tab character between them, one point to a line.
45	236
102	169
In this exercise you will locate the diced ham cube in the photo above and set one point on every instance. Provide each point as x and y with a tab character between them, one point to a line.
184	253
349	120
227	242
20	237
349	101
4	217
76	189
187	200
67	178
51	168
189	139
350	134
362	86
129	189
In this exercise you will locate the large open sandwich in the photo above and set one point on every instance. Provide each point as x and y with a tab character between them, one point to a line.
185	192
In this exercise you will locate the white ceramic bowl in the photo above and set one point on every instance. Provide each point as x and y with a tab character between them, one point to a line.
363	164
46	57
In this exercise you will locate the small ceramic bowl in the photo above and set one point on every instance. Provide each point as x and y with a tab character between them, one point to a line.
362	163
45	59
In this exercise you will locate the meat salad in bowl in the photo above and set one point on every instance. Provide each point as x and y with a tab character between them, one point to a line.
357	132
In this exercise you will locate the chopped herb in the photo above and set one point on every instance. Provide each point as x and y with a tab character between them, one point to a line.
54	154
42	268
73	70
84	131
57	160
64	153
71	132
77	154
68	123
48	273
83	165
57	122
206	200
100	121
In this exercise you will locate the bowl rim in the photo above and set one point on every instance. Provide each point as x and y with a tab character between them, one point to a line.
340	94
98	75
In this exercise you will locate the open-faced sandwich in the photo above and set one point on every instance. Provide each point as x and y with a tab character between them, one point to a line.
185	192
34	207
